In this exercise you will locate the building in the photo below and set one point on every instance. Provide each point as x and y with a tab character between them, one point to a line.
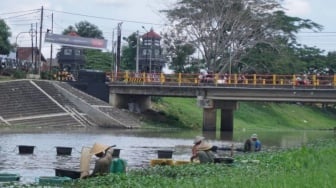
70	58
27	58
151	59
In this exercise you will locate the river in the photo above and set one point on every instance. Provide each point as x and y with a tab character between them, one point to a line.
138	147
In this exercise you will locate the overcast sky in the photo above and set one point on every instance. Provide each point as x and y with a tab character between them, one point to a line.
134	14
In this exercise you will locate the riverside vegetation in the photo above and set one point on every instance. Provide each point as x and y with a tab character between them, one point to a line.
310	165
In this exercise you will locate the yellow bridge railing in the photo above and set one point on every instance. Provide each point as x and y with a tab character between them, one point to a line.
222	79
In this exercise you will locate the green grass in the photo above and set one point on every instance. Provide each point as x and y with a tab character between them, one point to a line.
308	166
251	115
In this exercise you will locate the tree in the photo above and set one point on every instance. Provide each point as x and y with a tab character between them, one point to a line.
129	53
85	29
179	52
225	31
5	33
217	26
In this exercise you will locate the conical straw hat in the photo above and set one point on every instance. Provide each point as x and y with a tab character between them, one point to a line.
98	148
204	146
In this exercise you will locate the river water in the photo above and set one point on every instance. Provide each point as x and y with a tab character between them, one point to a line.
138	147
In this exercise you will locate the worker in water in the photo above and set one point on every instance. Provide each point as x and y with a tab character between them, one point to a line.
252	144
103	163
202	150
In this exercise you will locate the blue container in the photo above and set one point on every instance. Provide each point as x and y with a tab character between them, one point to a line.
52	180
7	177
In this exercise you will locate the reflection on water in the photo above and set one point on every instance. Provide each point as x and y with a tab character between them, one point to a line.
138	147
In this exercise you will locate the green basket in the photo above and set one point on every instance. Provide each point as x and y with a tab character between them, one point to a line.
6	177
52	180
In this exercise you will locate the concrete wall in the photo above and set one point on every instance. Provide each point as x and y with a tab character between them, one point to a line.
95	114
141	102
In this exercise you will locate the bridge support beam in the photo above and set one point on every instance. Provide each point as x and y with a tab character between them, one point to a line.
227	114
135	103
209	119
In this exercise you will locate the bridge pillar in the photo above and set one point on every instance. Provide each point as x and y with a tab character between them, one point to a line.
136	103
209	119
227	114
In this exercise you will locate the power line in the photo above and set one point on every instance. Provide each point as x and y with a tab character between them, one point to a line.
104	18
18	12
11	17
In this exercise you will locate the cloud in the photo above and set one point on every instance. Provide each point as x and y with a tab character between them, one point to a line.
297	7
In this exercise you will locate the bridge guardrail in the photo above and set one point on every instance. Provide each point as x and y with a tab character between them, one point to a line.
233	80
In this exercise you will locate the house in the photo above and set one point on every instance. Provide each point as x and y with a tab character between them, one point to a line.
27	58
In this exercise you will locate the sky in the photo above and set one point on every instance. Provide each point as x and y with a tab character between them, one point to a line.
141	15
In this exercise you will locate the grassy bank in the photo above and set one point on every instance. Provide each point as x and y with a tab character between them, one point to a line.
308	166
183	112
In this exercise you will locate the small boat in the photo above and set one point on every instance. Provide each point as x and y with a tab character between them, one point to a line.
7	177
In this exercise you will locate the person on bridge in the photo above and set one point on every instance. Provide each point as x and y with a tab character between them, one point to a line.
103	163
202	150
252	144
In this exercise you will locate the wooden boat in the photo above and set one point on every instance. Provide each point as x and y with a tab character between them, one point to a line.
162	162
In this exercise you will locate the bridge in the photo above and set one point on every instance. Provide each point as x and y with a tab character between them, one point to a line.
220	91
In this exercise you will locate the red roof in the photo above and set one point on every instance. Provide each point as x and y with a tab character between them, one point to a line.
151	34
24	53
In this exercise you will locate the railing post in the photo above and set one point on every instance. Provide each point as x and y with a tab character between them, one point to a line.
162	78
281	81
216	79
264	81
126	77
254	79
274	79
294	80
235	79
144	78
179	78
314	81
334	83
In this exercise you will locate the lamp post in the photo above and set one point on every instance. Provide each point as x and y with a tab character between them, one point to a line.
17	36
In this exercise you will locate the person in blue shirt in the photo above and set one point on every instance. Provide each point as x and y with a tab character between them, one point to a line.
252	144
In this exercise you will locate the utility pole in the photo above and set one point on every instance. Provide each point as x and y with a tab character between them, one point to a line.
51	45
40	46
112	52
118	46
137	54
32	45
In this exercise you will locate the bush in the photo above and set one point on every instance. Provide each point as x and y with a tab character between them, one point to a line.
19	74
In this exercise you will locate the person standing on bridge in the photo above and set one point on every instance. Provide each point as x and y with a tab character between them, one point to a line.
252	144
202	150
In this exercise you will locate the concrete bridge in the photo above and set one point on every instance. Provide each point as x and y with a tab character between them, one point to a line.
212	96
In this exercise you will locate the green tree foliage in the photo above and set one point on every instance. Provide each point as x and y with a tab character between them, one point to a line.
128	60
85	29
95	59
251	35
5	33
283	55
180	52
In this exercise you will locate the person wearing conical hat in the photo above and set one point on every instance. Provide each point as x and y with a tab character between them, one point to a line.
103	163
202	150
252	144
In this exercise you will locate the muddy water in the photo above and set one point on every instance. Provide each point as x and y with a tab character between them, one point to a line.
138	147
